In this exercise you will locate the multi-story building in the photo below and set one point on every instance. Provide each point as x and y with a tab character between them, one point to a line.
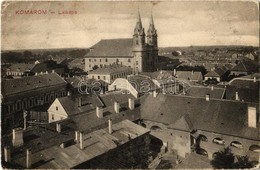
29	92
137	53
110	73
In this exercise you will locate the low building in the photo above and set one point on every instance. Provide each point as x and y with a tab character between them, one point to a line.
109	73
245	88
244	67
181	121
19	69
119	145
218	74
29	92
192	76
137	85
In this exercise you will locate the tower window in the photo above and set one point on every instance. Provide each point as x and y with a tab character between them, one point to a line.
129	60
57	108
136	42
89	60
106	59
136	62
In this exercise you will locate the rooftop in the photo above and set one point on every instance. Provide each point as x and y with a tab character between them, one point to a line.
217	72
142	83
112	48
25	84
201	91
190	75
21	67
245	66
219	116
110	69
95	143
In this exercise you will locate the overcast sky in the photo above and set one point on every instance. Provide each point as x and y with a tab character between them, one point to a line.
178	23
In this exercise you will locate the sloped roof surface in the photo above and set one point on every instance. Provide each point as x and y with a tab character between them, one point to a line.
245	66
112	48
24	84
21	67
201	91
244	94
189	75
220	116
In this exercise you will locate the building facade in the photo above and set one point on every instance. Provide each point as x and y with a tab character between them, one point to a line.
26	93
140	52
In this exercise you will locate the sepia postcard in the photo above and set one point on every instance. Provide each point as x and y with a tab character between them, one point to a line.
130	84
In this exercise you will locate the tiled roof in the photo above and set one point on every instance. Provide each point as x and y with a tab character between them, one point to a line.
201	91
24	84
73	81
245	66
45	66
219	116
119	96
240	83
142	83
190	75
244	94
89	121
159	75
21	67
110	69
70	103
112	48
217	72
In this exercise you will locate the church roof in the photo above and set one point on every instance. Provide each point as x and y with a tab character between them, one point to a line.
112	48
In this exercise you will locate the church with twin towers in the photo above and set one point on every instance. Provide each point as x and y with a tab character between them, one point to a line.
139	52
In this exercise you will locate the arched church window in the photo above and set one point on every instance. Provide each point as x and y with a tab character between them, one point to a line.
136	42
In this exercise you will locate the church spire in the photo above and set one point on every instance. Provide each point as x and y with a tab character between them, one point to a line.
151	30
139	28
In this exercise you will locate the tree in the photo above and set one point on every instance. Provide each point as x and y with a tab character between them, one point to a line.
225	159
243	162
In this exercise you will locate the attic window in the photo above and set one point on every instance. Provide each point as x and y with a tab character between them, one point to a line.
14	86
222	123
161	113
40	81
49	79
28	83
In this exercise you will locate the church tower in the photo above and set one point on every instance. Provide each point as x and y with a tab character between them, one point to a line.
152	34
139	45
153	46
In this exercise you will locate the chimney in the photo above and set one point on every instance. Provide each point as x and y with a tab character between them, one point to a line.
79	101
131	103
81	140
58	127
28	158
254	79
155	94
174	72
7	154
212	88
36	74
17	137
207	97
237	97
46	72
116	107
251	113
99	112
68	93
53	71
163	90
76	137
110	126
41	73
192	72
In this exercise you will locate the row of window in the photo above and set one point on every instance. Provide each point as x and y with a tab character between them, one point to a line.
29	103
106	60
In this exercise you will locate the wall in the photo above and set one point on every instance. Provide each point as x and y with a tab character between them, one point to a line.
211	147
91	62
56	112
